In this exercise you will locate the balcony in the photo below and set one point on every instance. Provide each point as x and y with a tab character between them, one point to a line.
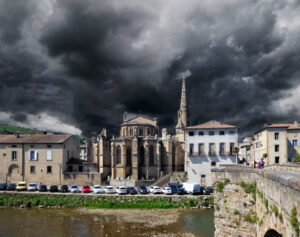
196	154
212	153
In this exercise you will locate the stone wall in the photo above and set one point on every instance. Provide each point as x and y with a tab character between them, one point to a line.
253	213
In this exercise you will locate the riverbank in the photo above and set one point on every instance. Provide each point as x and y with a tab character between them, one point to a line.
8	199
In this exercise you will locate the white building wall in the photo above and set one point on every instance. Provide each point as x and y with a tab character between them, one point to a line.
198	166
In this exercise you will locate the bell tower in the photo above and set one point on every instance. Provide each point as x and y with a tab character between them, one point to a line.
183	113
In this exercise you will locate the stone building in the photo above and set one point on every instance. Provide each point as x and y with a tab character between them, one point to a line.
245	149
39	158
281	142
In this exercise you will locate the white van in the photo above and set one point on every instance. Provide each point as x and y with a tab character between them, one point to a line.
192	188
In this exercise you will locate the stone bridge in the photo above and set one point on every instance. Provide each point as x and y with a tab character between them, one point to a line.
252	202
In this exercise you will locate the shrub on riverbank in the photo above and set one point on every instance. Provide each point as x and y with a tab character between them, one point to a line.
101	202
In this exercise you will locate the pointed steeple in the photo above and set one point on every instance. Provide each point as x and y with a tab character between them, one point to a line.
183	114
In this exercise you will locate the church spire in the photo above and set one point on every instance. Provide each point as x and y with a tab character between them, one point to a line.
183	115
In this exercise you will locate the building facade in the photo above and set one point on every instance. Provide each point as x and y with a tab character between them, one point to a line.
209	145
38	158
245	149
280	143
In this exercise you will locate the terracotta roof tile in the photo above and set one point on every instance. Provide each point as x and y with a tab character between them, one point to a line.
141	120
289	126
35	138
211	125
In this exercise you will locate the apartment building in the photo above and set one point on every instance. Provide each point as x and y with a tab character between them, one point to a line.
281	142
38	158
209	145
245	149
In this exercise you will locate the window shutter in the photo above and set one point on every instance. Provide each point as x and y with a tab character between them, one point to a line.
298	142
28	155
49	155
35	155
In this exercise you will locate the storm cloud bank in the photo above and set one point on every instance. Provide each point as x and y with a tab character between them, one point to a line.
83	63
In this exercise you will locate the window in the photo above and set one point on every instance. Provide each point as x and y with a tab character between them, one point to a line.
49	146
128	156
131	132
212	149
201	149
4	154
142	156
213	163
276	148
222	149
148	132
49	169
31	145
294	142
201	133
276	135
13	145
211	133
80	168
191	151
191	134
277	160
32	155
231	132
222	133
32	169
68	155
231	146
70	168
118	155
49	155
13	155
141	133
151	155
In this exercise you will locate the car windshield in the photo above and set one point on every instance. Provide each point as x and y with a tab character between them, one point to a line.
96	186
32	185
21	185
86	186
74	186
109	188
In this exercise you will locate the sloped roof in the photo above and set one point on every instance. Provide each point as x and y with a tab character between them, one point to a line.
213	124
141	120
35	138
289	126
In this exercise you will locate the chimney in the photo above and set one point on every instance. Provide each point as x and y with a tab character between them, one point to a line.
17	134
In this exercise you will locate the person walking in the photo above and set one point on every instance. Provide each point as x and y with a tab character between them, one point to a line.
261	163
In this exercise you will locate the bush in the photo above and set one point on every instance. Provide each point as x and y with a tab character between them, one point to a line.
226	181
237	212
294	221
220	187
251	219
297	158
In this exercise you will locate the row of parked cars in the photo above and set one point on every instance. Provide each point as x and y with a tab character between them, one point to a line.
171	188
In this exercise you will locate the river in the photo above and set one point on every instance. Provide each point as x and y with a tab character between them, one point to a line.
17	222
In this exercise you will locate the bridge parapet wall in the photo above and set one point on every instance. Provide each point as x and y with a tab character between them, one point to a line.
277	193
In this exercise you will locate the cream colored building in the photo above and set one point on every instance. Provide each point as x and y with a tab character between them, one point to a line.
38	158
280	142
245	149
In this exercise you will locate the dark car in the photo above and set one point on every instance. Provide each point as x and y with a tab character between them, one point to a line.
208	190
180	191
11	187
143	190
2	186
64	189
174	187
131	190
53	188
43	188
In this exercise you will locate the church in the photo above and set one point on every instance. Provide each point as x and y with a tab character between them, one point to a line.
143	151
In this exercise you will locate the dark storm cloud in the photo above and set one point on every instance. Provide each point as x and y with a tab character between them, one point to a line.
86	62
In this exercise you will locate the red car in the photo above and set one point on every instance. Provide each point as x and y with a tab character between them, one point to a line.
86	189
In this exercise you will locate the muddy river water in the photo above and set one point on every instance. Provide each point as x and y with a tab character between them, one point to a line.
16	222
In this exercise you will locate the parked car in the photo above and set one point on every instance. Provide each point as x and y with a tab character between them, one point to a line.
109	190
86	189
64	189
132	191
156	190
143	190
43	188
11	187
22	186
180	191
151	189
53	189
210	189
2	186
121	190
98	189
32	187
166	190
74	189
174	187
192	188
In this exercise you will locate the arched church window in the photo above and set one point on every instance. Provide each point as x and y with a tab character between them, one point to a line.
141	132
131	132
151	155
118	155
128	156
142	156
